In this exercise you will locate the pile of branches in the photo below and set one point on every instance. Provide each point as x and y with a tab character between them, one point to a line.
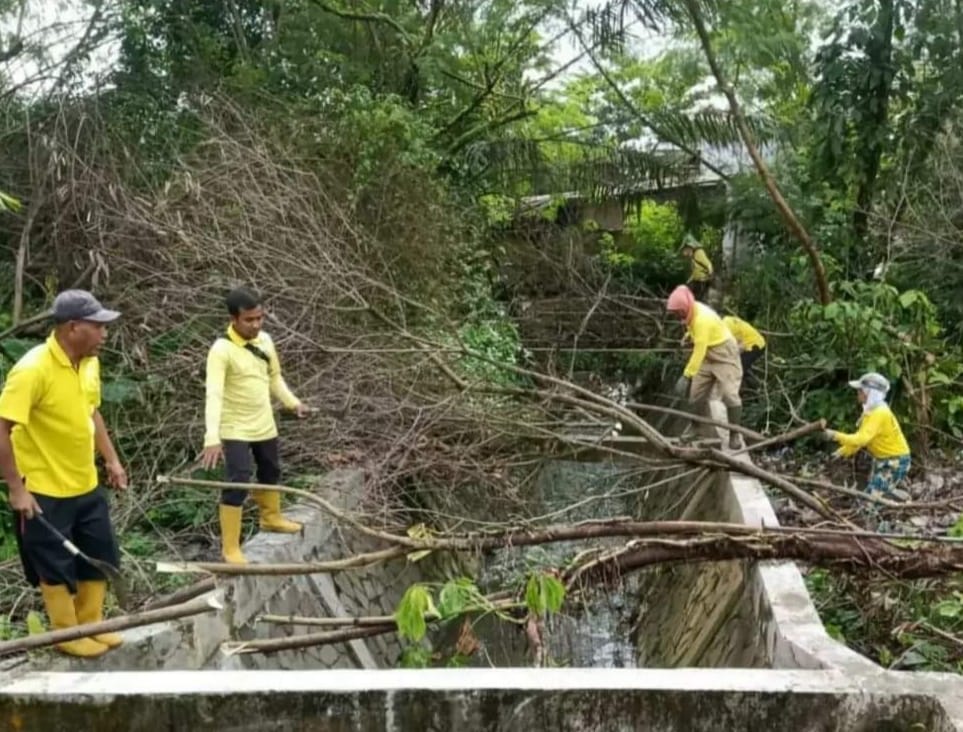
345	293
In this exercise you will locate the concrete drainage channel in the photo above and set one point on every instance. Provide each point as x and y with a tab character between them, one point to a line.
735	646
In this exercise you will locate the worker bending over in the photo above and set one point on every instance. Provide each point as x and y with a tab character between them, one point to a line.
752	345
701	274
714	363
243	373
879	432
50	425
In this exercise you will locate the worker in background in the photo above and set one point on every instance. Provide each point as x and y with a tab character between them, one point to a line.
752	345
243	373
50	426
701	275
879	433
714	363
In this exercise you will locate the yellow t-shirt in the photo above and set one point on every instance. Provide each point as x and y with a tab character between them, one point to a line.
879	432
706	329
701	266
52	405
239	389
746	336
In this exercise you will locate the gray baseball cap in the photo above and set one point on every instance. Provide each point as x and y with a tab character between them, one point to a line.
871	380
80	305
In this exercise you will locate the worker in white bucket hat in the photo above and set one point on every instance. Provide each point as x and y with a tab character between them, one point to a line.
879	433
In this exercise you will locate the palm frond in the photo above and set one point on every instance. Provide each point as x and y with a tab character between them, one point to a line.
708	127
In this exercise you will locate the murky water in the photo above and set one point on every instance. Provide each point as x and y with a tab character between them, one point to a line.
598	634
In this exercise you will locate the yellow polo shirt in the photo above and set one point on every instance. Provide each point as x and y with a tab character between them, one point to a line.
746	336
706	329
879	432
239	389
52	405
701	266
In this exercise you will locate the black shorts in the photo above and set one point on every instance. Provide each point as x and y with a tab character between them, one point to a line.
85	520
243	458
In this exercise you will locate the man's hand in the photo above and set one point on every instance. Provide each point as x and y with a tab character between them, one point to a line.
211	456
302	410
22	501
829	434
116	475
681	387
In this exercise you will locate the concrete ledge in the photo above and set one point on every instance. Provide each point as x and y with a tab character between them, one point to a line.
792	631
484	699
794	634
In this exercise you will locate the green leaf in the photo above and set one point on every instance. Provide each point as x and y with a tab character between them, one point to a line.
949	609
411	611
15	348
415	657
35	624
9	203
908	298
456	595
544	592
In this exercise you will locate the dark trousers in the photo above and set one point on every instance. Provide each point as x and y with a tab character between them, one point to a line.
699	289
748	359
239	460
85	520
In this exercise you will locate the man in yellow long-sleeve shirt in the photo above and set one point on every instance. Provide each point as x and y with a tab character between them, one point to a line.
752	345
701	274
879	432
243	373
714	363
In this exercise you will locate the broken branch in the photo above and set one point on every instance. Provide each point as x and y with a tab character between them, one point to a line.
124	622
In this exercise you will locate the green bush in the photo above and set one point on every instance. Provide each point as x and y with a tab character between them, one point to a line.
874	327
647	254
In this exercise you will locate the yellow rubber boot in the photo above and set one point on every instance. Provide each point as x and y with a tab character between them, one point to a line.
230	517
89	602
269	504
62	614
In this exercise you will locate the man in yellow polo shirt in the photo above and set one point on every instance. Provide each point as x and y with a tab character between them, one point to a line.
50	424
243	373
700	277
752	345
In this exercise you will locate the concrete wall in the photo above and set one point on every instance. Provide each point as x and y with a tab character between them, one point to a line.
496	700
735	614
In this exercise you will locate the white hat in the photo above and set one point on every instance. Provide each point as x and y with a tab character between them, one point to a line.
871	380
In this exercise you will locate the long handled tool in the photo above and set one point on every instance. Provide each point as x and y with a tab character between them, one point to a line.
108	570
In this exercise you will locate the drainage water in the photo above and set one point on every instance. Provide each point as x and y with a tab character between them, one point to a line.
599	633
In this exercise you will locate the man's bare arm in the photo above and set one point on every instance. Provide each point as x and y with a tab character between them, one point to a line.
116	475
20	497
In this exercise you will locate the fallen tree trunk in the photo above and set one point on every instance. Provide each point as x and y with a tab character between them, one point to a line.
849	554
124	622
832	549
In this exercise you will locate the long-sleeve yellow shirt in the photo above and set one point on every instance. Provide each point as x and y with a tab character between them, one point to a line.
701	266
879	432
239	388
706	330
746	336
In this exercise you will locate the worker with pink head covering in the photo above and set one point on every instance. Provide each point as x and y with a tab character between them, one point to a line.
714	363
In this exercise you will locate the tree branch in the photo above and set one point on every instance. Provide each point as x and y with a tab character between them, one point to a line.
785	210
366	17
134	620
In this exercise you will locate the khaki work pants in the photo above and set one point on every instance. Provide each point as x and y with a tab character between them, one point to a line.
719	376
